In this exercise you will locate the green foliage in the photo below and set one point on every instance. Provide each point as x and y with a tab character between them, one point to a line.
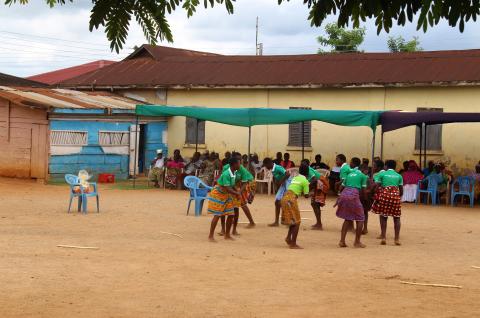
340	39
399	44
115	15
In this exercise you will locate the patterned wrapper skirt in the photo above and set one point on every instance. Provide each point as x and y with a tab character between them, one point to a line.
388	203
321	188
290	210
249	193
220	203
349	206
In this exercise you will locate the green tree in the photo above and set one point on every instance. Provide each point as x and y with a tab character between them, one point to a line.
399	44
116	15
340	39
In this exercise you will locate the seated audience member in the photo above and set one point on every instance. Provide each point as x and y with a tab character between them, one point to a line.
441	176
286	162
404	167
426	172
174	170
256	164
476	177
192	165
209	167
226	160
411	176
157	169
278	159
318	164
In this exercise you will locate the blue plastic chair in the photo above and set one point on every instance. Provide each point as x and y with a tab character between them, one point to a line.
466	187
431	190
74	184
198	193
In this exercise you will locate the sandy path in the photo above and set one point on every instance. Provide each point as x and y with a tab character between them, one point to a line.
138	272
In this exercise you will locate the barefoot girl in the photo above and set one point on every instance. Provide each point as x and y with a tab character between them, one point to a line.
320	186
282	179
349	206
245	185
290	212
220	202
388	201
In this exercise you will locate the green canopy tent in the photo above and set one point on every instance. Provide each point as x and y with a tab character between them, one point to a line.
249	117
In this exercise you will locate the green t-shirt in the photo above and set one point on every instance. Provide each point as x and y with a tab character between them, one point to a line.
355	179
389	178
227	178
278	172
299	184
344	171
312	173
242	174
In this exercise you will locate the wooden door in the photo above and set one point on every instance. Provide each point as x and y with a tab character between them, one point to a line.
39	152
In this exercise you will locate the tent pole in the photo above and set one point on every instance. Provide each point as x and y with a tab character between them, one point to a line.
373	147
381	146
421	146
249	143
303	140
196	136
425	146
135	155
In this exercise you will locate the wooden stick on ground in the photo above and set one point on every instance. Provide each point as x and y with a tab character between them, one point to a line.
306	219
306	210
431	285
79	247
168	233
476	267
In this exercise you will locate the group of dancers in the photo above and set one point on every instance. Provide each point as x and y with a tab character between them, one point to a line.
361	189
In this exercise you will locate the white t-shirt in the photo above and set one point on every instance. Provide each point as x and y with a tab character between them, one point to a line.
159	163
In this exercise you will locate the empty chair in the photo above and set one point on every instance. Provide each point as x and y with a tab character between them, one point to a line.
77	191
265	176
324	172
466	188
431	190
198	193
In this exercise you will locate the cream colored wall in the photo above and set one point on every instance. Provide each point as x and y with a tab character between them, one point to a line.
459	140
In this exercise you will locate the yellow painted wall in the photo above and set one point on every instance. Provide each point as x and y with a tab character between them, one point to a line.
460	141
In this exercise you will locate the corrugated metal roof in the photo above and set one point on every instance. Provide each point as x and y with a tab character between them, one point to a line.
63	98
8	80
145	69
58	76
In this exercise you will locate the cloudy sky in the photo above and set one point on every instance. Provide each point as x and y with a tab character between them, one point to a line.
37	39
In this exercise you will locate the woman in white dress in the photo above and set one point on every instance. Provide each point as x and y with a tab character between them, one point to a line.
410	182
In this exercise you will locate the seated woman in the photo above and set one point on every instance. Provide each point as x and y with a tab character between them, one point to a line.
209	167
411	176
255	164
192	165
476	177
175	167
442	177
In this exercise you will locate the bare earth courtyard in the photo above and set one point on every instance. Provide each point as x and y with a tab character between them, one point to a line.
140	272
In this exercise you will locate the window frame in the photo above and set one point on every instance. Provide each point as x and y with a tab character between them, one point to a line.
307	132
70	131
114	131
200	122
430	143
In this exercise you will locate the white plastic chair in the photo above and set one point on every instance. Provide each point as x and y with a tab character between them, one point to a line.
265	176
324	172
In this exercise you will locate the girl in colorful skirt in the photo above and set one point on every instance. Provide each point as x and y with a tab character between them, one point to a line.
387	203
282	179
349	205
220	202
320	186
246	186
290	212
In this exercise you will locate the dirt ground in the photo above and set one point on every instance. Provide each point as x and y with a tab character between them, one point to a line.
140	272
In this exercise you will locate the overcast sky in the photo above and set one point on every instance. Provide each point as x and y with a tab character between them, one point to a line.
37	39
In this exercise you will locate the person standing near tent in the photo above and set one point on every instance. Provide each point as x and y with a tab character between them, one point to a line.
320	187
282	179
246	186
220	203
350	208
388	201
290	211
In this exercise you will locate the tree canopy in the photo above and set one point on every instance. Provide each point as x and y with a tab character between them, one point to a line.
116	15
399	44
340	39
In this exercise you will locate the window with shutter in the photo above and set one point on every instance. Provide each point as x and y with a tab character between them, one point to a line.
191	131
113	138
433	133
68	138
295	132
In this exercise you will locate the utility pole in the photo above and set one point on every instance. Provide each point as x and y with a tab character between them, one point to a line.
256	38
